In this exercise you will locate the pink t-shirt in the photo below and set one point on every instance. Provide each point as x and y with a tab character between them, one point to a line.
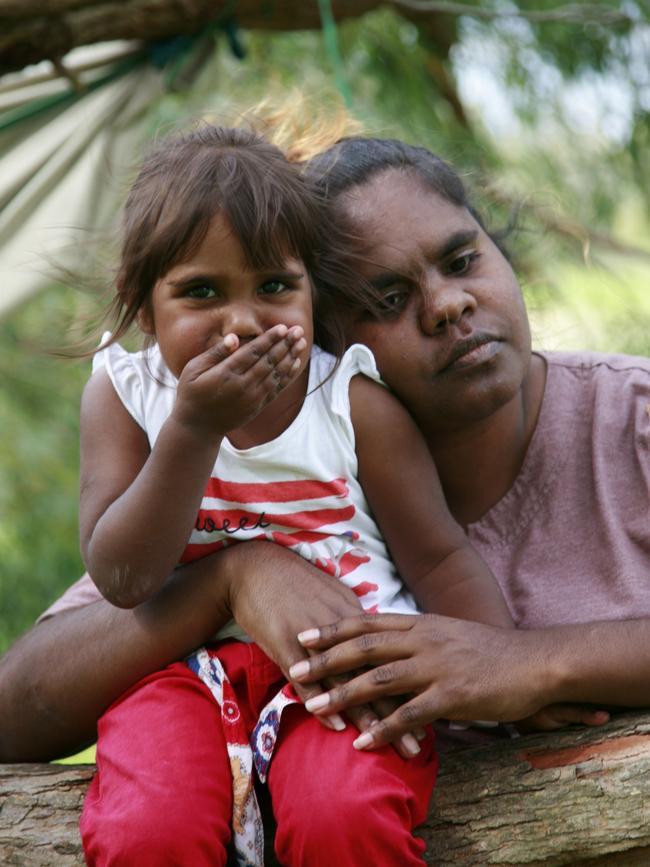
570	541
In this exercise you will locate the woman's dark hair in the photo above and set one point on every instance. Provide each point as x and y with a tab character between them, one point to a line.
353	161
186	180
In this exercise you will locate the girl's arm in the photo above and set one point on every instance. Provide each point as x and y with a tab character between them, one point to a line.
399	478
138	506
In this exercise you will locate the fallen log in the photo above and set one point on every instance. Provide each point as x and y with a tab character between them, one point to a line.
580	796
39	814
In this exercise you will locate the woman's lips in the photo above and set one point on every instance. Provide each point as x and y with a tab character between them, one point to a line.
471	352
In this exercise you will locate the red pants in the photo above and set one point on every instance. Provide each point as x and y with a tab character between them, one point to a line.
162	795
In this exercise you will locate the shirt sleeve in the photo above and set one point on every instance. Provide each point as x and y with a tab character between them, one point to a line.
83	592
124	373
357	359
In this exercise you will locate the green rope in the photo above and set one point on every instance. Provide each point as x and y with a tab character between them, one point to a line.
330	37
36	106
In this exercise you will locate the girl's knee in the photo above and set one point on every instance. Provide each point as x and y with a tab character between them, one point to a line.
350	827
135	835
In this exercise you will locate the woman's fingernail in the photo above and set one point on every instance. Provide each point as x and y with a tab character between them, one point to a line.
298	669
364	740
338	723
409	743
318	702
420	734
308	636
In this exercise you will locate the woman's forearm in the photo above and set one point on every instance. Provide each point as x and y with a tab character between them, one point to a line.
602	663
459	670
58	679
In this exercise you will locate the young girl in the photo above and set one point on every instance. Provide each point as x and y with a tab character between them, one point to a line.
232	425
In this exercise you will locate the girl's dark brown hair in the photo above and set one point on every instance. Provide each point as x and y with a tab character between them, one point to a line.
186	180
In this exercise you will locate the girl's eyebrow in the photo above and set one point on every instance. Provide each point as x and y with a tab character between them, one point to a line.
282	275
191	278
215	278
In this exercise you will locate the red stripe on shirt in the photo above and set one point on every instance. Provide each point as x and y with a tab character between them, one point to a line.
275	492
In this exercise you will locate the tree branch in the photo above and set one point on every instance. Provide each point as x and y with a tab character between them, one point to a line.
574	13
576	797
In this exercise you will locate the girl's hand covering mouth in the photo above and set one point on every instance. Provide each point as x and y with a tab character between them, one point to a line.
231	382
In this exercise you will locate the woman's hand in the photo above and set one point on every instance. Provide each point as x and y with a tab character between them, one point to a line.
229	384
558	716
453	669
274	595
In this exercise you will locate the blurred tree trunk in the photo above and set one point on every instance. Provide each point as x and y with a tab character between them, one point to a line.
34	30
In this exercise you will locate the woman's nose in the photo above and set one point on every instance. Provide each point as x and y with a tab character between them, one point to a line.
444	305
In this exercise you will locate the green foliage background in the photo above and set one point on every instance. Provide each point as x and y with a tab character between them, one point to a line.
560	174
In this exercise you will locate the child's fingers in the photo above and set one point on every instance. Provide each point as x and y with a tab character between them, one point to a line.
365	718
362	716
266	349
399	724
265	379
406	744
213	356
255	358
273	380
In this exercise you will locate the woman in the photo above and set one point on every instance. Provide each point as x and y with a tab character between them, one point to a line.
544	459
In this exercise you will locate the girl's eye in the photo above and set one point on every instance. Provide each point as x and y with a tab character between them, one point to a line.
201	291
461	264
273	287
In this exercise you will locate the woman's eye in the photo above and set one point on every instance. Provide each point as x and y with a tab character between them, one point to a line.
462	263
394	300
273	287
201	291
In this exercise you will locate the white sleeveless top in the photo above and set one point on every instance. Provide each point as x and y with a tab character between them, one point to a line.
299	490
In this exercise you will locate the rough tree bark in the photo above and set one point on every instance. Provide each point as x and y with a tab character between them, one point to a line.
580	797
34	30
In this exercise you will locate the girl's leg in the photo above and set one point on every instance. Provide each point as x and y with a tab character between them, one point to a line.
163	790
334	805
